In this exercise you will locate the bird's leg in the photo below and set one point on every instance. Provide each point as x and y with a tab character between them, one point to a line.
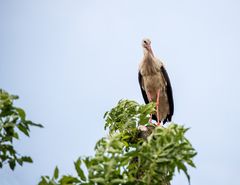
149	99
157	107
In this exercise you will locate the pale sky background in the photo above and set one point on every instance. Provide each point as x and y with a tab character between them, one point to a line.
71	60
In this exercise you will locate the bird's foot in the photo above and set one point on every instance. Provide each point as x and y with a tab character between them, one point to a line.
142	128
158	124
150	121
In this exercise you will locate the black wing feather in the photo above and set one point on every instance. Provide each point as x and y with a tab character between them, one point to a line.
144	94
169	95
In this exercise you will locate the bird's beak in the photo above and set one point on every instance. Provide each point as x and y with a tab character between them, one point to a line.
148	47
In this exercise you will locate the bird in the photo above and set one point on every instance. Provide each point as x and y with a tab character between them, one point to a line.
155	85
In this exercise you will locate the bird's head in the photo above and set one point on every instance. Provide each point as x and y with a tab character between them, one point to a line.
146	44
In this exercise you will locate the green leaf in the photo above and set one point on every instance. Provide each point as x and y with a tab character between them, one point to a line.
98	180
21	113
9	125
20	161
12	164
191	163
79	170
15	135
68	180
43	181
117	181
27	159
56	173
34	124
182	167
105	114
22	128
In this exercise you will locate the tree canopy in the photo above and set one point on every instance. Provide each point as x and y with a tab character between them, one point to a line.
12	122
130	156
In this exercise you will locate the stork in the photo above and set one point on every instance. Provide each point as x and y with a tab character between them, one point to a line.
155	85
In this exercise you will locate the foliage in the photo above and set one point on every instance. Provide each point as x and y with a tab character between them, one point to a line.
124	157
12	122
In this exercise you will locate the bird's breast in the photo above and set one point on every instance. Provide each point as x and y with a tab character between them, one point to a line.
153	82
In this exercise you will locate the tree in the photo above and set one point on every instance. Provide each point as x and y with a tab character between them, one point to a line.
12	122
129	156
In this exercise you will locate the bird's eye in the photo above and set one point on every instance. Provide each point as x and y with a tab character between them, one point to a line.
145	42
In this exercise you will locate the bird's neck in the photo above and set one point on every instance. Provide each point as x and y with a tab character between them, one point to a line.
151	52
149	65
148	54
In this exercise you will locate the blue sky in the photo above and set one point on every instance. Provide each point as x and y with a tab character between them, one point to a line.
70	61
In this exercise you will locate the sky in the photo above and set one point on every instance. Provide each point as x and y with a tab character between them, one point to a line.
71	61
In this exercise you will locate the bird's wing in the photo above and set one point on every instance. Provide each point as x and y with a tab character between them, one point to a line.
144	94
169	94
